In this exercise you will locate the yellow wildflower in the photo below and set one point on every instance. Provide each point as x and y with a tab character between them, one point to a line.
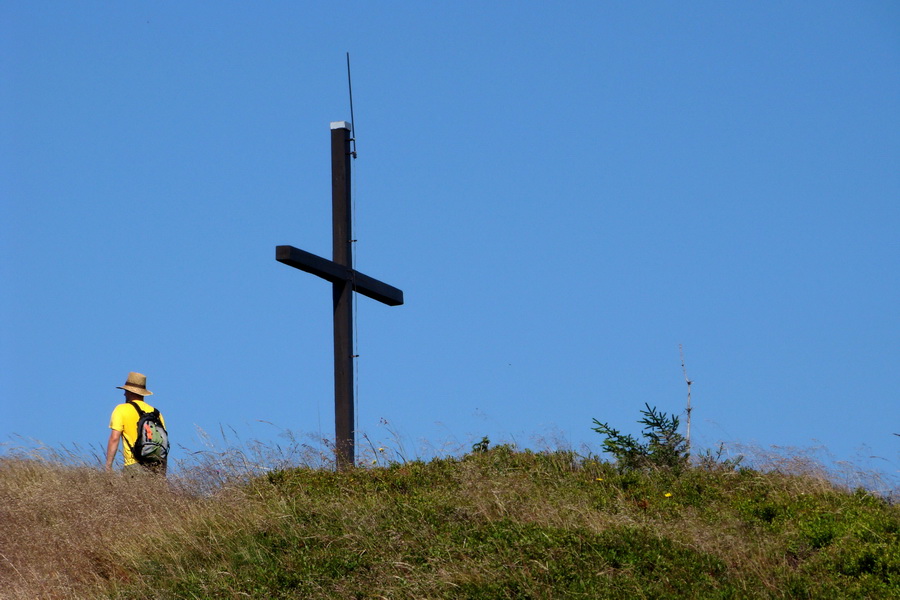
668	494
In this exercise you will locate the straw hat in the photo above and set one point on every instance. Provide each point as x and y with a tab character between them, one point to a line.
136	383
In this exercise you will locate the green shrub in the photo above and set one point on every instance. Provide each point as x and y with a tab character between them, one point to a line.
664	446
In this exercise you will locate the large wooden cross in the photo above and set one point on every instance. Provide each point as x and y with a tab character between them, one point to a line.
345	280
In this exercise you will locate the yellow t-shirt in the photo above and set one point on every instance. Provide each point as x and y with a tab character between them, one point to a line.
124	418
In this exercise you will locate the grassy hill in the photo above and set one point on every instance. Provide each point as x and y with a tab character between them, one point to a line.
495	524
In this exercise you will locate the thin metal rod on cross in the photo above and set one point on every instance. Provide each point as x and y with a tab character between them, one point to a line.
345	280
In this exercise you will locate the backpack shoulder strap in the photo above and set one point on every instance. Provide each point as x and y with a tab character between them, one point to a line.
140	414
137	408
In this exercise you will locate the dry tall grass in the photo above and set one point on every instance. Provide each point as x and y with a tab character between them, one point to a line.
68	529
63	528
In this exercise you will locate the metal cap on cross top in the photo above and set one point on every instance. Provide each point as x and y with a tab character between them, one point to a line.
345	280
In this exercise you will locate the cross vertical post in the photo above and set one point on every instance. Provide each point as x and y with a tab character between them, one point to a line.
345	280
342	254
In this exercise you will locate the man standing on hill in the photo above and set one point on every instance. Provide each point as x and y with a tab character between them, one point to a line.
124	425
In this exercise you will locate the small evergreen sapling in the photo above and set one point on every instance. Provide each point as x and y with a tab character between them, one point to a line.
664	448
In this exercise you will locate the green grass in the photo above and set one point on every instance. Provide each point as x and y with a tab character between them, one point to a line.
495	524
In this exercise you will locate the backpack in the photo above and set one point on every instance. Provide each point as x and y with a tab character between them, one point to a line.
151	447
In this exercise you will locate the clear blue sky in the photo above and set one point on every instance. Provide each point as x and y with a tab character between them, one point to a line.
564	191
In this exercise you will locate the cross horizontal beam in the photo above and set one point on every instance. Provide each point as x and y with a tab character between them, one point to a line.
337	273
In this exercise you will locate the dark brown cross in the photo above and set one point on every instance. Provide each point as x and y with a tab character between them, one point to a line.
345	280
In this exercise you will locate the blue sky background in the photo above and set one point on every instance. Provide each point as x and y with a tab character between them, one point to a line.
564	191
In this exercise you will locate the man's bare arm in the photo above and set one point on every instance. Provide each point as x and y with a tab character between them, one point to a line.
112	445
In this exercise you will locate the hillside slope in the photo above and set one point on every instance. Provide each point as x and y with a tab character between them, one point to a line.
494	524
